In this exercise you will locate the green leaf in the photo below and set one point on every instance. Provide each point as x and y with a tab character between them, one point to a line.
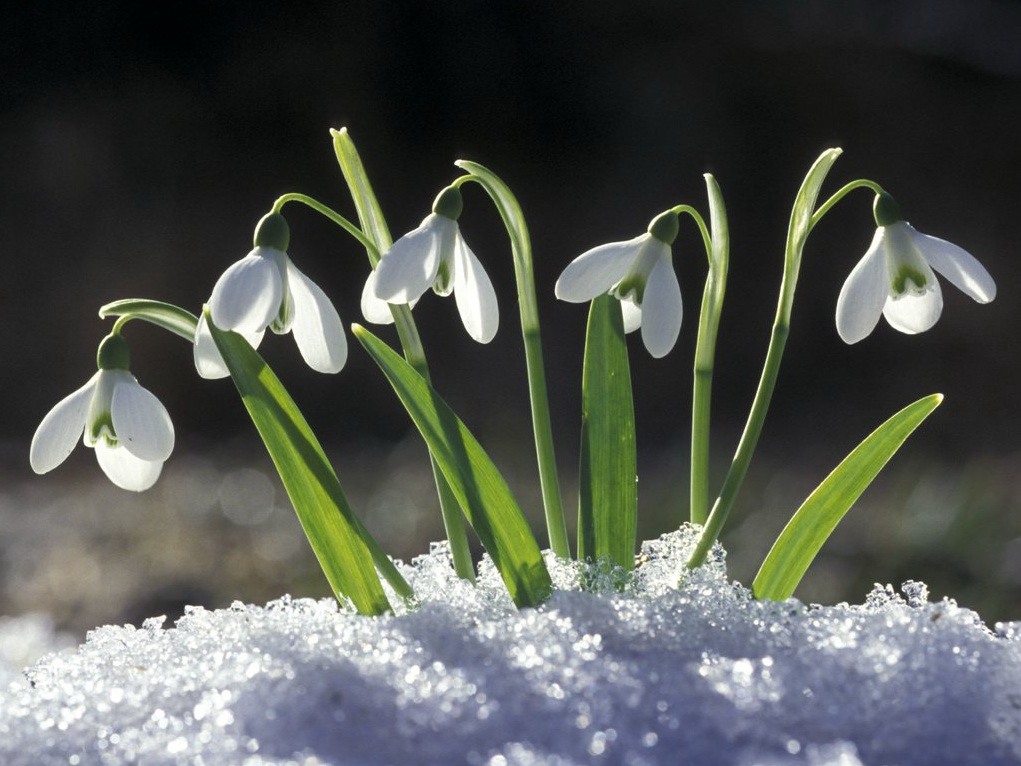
370	215
608	491
329	523
804	203
819	515
165	315
480	489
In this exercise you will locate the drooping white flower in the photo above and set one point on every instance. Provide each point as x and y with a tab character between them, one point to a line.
640	274
266	290
126	425
895	278
435	255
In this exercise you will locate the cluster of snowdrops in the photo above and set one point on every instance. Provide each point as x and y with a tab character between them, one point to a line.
630	285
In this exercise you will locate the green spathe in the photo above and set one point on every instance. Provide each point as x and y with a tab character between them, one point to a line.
665	227
886	210
113	353
449	203
273	231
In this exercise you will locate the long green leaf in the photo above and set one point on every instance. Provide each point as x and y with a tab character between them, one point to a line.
608	491
329	523
480	489
370	215
819	515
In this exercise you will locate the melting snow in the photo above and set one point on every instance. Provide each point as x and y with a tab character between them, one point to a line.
649	675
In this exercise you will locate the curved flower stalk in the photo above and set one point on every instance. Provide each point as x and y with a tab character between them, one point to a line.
435	255
266	290
895	278
127	426
640	274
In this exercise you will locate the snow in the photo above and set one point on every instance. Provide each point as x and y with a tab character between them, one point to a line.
649	675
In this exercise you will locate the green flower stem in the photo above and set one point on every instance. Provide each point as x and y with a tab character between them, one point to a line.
521	248
376	240
334	216
802	220
717	251
824	208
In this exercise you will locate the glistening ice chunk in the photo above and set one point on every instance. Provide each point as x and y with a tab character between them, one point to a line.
644	672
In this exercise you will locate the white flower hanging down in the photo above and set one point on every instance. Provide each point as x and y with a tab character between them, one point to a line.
266	290
435	255
895	278
640	274
126	425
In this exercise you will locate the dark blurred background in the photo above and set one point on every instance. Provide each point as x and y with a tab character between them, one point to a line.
139	144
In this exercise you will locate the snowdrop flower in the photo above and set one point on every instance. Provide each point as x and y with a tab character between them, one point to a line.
126	425
895	278
640	274
266	290
435	255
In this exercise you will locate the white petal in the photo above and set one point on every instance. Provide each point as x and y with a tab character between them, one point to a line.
409	267
125	470
284	318
959	266
474	293
661	308
915	312
61	429
375	310
247	296
317	328
596	271
864	293
208	362
632	314
140	420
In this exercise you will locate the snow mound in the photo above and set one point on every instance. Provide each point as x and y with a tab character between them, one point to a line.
632	670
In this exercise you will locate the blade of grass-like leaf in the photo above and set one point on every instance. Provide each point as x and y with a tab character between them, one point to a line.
608	491
333	530
370	215
819	515
483	494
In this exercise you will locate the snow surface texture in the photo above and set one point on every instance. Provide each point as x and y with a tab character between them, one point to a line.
654	675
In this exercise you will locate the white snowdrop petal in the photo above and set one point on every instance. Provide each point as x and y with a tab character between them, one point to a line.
375	310
317	328
61	429
208	362
864	293
632	313
959	267
915	312
140	420
596	271
409	267
662	309
247	296
125	470
474	293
